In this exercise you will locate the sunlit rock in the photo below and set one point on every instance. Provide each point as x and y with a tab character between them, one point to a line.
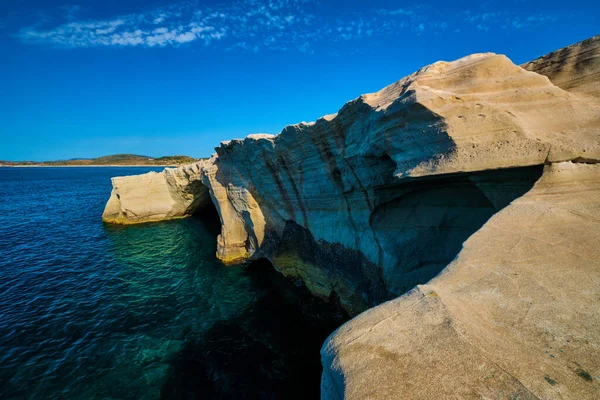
440	168
573	68
514	316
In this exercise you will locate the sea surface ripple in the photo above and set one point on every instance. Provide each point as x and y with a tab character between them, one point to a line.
96	311
89	310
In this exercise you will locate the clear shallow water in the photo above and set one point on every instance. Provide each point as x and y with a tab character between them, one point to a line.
94	311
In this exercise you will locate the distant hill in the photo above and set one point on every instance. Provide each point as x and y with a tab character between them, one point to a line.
115	159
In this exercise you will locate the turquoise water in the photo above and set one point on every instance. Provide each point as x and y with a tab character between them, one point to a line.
94	311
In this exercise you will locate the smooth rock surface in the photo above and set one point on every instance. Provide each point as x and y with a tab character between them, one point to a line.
514	316
574	68
345	189
364	204
156	196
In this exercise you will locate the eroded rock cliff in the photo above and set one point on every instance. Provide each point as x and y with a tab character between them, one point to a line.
173	193
337	202
574	68
515	315
369	202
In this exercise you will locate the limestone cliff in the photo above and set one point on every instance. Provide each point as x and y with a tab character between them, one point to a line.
515	315
574	68
173	193
337	202
369	202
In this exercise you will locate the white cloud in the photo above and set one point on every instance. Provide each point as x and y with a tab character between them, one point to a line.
173	25
486	21
485	16
398	11
127	38
186	37
253	25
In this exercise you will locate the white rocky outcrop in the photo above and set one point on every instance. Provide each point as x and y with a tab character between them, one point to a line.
515	315
380	197
348	179
156	196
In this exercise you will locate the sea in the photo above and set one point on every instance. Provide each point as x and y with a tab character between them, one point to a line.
96	311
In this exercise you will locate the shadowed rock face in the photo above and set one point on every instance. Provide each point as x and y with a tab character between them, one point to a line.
388	188
420	226
574	68
267	352
369	202
515	315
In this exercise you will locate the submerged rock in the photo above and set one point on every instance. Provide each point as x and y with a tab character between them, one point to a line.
369	202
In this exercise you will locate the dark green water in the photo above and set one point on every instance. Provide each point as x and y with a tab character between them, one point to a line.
93	311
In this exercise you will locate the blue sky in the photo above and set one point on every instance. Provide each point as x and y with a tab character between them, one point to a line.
92	78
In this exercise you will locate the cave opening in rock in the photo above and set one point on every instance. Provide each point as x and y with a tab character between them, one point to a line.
415	229
421	225
203	208
208	214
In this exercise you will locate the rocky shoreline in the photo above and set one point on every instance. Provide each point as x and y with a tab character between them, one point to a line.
478	173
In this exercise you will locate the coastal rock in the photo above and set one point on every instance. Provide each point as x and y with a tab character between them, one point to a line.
172	193
514	316
379	197
242	221
478	164
574	68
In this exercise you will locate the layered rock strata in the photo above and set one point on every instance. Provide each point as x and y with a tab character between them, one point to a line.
173	193
574	68
382	196
379	197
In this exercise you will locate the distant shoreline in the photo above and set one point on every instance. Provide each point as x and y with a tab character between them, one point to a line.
113	160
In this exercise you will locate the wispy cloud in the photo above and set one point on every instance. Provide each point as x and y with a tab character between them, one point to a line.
248	24
171	25
533	20
485	21
482	17
252	25
397	11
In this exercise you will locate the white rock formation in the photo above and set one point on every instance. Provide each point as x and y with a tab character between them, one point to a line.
380	197
343	177
514	316
173	193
